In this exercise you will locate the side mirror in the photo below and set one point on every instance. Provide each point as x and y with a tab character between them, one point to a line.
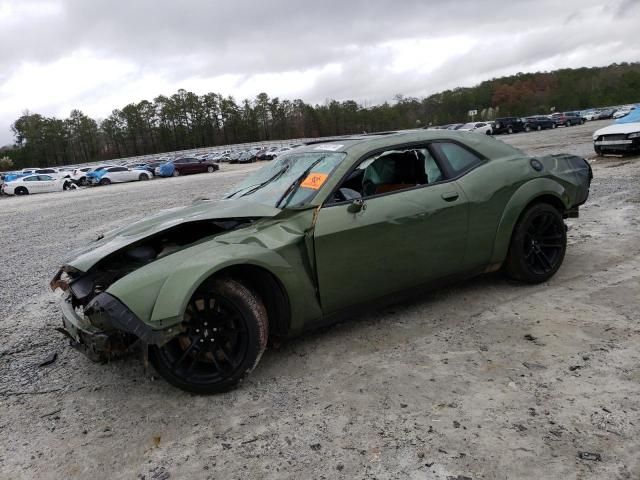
356	206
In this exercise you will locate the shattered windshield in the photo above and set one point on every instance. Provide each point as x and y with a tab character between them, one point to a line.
290	181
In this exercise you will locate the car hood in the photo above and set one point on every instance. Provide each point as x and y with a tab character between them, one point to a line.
110	242
617	128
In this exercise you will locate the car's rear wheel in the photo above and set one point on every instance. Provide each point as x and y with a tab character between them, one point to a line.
105	181
210	169
83	181
21	191
598	151
527	128
176	173
143	177
539	127
226	334
538	244
509	130
554	125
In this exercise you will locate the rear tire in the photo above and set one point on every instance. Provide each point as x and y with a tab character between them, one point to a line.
538	245
509	130
83	182
176	173
21	191
105	181
554	125
539	127
143	177
226	330
210	169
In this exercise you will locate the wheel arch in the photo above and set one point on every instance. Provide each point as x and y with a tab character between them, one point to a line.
539	190
268	287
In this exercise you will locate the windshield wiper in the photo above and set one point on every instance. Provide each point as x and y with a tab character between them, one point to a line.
294	186
258	186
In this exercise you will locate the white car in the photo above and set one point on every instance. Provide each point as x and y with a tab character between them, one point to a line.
617	138
477	127
36	184
623	112
79	175
118	175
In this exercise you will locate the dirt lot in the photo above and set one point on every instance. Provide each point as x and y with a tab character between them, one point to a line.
486	379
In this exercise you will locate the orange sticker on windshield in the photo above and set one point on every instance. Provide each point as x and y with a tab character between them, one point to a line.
314	180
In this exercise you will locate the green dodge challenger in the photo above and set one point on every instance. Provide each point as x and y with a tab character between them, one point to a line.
314	236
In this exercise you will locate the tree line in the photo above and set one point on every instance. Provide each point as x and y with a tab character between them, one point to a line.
186	120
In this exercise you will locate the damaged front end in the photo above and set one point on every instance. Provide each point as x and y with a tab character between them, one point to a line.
102	326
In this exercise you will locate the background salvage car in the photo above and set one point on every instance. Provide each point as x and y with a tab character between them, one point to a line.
35	184
322	229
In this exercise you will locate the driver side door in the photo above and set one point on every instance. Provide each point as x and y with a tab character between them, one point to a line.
404	236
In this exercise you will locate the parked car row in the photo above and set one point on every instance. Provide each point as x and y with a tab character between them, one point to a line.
39	180
511	125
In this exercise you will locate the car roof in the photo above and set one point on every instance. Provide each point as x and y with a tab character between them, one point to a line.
360	144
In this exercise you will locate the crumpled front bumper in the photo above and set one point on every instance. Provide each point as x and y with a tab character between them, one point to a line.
105	328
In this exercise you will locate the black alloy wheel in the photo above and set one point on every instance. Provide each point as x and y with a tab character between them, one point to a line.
538	245
225	335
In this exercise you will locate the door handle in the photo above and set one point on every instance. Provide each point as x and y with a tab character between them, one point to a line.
450	196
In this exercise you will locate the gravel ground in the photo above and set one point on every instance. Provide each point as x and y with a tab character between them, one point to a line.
485	379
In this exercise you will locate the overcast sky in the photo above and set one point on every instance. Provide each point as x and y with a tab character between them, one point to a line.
97	55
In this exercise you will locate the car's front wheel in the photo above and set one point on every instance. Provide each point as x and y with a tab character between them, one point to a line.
210	169
105	181
226	329
143	176
176	173
538	244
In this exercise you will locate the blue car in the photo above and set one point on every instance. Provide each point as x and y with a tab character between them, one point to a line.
165	170
94	176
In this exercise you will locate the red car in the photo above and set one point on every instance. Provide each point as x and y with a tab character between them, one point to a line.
186	166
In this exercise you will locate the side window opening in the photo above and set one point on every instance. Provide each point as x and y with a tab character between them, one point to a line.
459	158
390	171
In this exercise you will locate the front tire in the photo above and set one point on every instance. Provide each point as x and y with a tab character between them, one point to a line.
104	181
226	330
210	169
143	177
538	245
509	130
21	191
176	173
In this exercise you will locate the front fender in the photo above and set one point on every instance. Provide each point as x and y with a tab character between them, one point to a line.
159	292
522	197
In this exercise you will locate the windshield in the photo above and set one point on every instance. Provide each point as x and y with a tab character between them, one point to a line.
290	181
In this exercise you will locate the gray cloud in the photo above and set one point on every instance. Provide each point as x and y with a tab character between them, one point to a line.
206	39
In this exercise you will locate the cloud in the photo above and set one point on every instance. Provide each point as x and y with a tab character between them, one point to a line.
61	54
